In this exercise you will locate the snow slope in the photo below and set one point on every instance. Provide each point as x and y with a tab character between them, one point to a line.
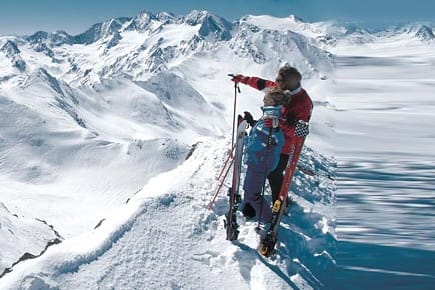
95	129
56	165
165	238
384	148
91	121
22	238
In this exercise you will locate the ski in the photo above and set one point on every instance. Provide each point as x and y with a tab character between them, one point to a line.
233	192
267	243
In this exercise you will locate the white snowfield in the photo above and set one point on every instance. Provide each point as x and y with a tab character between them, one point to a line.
96	135
165	238
385	149
20	234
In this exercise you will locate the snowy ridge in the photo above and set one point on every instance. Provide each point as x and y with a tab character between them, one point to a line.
24	238
108	116
149	43
12	53
140	236
412	34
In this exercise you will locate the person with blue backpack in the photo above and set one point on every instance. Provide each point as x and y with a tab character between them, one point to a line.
263	148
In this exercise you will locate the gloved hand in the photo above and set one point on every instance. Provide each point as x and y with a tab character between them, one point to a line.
268	122
240	79
248	117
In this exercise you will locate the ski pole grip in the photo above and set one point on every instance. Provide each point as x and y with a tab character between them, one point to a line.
236	85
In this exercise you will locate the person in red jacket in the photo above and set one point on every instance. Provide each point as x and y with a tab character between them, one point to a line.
299	108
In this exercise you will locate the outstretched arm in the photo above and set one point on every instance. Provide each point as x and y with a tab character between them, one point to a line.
259	83
255	82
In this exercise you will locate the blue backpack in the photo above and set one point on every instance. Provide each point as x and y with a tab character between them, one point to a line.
264	142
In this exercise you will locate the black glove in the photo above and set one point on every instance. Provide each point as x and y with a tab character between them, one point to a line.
248	117
239	79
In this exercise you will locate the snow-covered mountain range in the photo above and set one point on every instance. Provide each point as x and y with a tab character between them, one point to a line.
95	129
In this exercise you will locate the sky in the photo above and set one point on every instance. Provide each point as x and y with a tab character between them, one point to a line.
74	16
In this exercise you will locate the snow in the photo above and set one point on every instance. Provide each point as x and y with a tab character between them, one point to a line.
93	140
384	147
385	83
290	23
20	235
44	161
163	216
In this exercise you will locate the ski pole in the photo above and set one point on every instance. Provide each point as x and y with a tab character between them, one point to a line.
230	156
236	89
210	205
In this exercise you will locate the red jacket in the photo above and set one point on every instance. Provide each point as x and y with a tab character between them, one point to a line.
299	108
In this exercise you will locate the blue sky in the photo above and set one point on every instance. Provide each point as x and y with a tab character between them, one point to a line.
74	16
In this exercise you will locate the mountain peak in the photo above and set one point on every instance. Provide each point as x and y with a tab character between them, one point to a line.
295	18
195	17
145	14
101	30
352	28
289	23
56	38
141	21
211	25
165	17
10	48
425	33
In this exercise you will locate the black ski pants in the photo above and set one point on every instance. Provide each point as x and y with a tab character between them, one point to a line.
276	177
